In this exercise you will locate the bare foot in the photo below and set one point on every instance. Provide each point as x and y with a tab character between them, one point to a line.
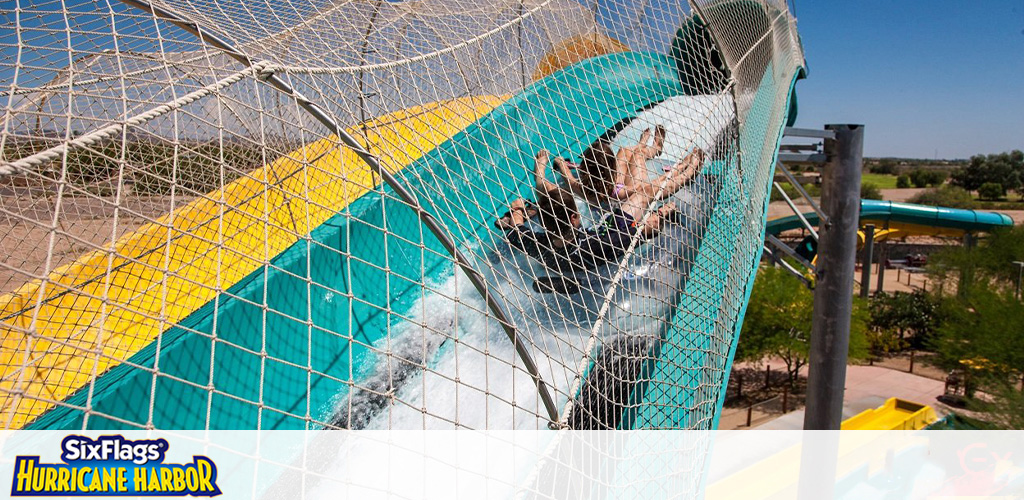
543	156
659	139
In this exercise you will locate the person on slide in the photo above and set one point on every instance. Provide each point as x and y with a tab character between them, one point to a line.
564	246
606	176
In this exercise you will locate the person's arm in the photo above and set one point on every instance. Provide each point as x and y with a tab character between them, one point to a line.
524	240
517	215
565	168
540	168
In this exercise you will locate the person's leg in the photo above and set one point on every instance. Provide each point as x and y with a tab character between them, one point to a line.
635	169
667	184
651	151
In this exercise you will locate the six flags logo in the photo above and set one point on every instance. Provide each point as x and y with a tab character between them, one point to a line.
113	465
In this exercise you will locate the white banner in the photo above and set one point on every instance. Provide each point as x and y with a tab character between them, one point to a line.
514	464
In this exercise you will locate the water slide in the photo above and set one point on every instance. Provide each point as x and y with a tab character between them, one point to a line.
895	414
614	95
896	219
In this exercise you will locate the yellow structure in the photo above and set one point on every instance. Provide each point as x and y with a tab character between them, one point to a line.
574	50
98	311
895	414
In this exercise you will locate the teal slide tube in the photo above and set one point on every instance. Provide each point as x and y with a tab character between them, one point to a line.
878	211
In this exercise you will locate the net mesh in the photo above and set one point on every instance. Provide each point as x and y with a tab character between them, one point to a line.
288	214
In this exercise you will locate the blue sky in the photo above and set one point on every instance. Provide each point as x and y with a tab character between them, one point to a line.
929	78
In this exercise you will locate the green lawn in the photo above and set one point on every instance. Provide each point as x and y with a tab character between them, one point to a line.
883	181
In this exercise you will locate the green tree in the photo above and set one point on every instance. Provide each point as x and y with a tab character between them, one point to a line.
909	318
991	191
984	327
1006	169
919	178
903	182
778	322
990	262
885	166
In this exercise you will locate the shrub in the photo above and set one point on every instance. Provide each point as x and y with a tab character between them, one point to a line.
788	188
902	182
886	166
945	196
991	191
812	189
869	191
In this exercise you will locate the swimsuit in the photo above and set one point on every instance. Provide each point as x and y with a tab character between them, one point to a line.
595	247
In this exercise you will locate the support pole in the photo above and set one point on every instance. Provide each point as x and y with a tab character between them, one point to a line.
865	266
833	295
883	256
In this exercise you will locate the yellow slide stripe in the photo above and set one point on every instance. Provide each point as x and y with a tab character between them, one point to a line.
103	308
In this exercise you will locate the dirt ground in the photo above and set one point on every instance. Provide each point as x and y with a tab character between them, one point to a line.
764	389
83	224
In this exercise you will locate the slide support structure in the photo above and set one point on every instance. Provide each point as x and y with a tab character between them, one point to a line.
883	255
833	295
865	266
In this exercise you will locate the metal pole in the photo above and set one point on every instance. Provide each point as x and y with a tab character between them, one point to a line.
883	255
833	295
865	266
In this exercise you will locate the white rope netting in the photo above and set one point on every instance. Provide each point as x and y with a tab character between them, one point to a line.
285	214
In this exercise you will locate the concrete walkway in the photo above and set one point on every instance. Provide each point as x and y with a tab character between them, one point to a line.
869	387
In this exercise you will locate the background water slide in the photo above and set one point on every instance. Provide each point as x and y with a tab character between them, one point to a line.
910	219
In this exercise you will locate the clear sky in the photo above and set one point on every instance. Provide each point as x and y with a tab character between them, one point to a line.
926	78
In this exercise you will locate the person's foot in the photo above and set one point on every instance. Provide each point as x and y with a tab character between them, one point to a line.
543	156
659	139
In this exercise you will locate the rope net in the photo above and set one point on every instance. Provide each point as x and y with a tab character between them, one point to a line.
302	214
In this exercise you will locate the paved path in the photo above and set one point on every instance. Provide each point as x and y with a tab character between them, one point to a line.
869	387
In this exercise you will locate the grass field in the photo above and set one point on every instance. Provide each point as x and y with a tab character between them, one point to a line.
883	181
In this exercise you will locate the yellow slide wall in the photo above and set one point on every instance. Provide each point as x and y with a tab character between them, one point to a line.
98	311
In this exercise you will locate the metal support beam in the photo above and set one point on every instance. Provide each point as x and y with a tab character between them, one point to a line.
800	215
789	268
777	243
809	132
802	158
967	271
865	266
833	295
883	256
822	218
428	220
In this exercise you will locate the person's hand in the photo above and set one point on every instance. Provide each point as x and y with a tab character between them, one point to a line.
517	204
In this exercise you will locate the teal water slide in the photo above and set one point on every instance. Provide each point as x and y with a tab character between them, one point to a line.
215	372
909	216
